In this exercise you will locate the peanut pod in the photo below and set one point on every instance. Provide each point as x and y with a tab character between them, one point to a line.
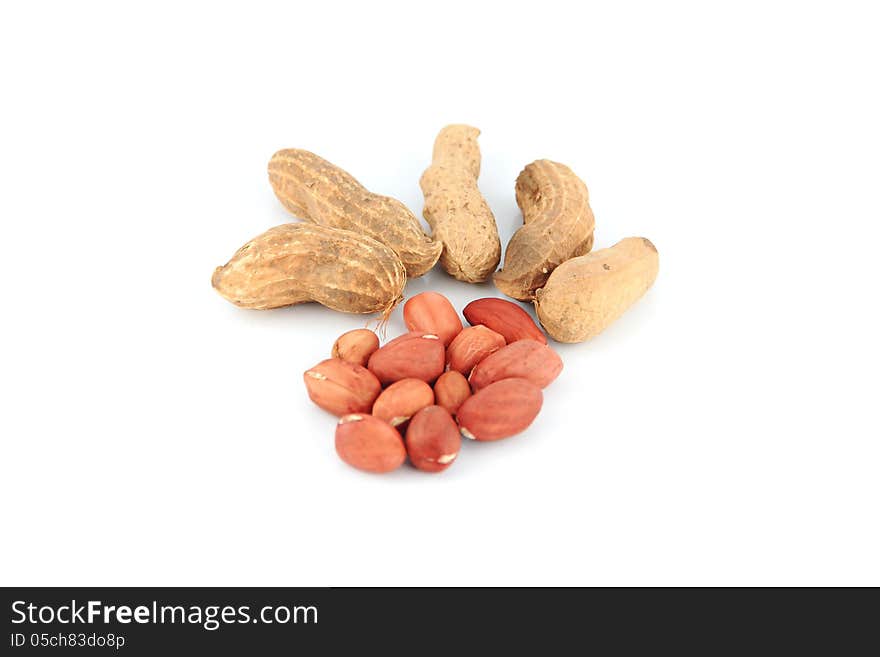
586	294
297	263
557	225
314	189
455	209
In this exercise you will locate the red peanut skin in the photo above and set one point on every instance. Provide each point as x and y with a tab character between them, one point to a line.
345	387
410	356
356	346
526	359
431	312
500	410
368	443
450	391
504	317
471	346
432	439
401	400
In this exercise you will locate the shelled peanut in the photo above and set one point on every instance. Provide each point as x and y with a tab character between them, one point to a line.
500	410
356	346
415	355
401	400
432	313
505	318
432	439
471	346
417	397
340	387
368	443
451	390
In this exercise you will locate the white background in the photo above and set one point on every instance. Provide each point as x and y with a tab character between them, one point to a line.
723	432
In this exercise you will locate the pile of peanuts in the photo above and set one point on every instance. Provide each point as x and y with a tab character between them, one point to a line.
354	252
420	392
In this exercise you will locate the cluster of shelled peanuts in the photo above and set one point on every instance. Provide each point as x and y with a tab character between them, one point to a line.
420	392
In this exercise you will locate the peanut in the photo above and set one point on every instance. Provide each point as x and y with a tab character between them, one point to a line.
586	294
458	214
431	312
369	444
450	391
401	400
356	346
411	356
471	346
499	410
557	225
297	263
505	318
340	387
316	190
432	439
525	359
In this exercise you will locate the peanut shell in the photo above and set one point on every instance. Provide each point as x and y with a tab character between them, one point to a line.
312	188
455	209
557	225
298	263
586	294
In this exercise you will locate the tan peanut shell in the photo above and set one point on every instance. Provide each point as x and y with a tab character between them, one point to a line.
296	263
557	225
458	214
314	189
586	294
